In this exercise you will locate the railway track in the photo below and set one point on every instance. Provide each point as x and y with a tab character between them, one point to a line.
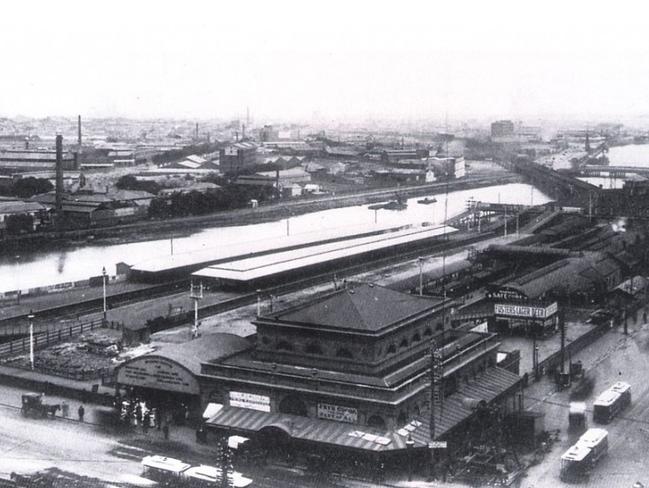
94	306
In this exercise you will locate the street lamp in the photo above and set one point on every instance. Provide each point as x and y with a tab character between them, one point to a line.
409	445
30	317
420	261
103	275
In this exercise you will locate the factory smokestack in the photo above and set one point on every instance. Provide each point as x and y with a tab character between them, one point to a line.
59	175
196	132
79	131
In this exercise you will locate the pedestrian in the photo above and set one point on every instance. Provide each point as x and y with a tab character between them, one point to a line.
158	418
165	431
145	422
82	412
65	409
138	413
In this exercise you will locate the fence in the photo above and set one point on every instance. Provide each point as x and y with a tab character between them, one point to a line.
550	364
48	338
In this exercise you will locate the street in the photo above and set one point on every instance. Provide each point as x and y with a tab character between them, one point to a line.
612	358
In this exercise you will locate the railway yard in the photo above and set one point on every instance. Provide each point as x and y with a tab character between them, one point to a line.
487	267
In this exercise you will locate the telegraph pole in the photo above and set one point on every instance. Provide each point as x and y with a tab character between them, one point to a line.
30	317
196	294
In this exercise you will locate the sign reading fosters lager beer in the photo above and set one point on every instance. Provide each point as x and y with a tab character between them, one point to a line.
525	311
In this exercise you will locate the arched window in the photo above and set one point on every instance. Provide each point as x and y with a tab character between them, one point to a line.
344	353
391	349
416	337
403	343
376	421
284	346
292	404
313	348
428	331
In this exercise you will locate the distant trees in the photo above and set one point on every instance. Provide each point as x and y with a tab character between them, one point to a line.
130	182
28	187
228	197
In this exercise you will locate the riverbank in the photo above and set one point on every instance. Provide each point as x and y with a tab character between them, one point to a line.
182	227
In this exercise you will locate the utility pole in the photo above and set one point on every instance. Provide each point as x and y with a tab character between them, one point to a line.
171	243
562	324
196	294
30	317
104	276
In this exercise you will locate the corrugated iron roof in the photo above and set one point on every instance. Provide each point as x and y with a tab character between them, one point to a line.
455	409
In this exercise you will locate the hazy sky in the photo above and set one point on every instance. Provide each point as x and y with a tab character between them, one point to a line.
335	59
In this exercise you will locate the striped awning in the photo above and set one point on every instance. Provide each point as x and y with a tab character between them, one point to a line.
340	434
455	409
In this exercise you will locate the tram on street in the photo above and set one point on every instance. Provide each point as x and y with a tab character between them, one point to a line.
578	462
611	402
172	471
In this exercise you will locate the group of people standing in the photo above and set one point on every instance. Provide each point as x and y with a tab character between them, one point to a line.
136	412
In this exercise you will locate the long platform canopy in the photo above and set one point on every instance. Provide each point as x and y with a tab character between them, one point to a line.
250	248
248	269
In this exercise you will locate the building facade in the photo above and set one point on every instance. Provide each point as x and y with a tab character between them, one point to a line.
352	370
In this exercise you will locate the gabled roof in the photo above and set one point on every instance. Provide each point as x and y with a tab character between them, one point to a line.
364	307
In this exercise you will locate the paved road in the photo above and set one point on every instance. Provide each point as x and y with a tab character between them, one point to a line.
614	357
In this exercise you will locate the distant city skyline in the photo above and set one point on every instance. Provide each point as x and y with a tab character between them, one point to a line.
343	60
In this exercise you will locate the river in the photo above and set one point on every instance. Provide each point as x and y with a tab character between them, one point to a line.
629	155
42	268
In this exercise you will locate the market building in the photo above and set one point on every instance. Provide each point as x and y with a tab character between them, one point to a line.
348	375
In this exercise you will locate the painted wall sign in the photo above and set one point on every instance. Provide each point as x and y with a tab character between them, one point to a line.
158	373
338	413
250	401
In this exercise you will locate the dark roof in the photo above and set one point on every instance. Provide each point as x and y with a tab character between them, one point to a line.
364	307
206	348
571	274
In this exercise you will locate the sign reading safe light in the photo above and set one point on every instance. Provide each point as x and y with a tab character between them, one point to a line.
525	311
250	401
336	412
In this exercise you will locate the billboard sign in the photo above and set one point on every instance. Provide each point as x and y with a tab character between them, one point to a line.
525	311
338	413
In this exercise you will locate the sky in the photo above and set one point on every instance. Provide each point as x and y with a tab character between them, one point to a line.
339	60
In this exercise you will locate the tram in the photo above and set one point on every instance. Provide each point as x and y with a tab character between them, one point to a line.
611	402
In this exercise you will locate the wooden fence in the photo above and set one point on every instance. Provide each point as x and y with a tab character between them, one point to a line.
44	339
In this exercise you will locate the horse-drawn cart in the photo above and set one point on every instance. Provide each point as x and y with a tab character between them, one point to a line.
32	404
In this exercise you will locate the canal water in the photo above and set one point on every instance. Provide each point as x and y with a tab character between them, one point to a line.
630	155
24	271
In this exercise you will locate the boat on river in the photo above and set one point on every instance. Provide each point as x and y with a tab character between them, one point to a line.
427	201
